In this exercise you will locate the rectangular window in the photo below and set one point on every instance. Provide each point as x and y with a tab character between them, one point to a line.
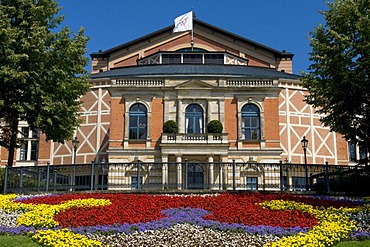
363	154
23	151
28	150
352	151
34	150
171	58
192	58
213	59
24	132
252	183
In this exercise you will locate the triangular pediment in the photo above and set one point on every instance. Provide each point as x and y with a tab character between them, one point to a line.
194	84
150	50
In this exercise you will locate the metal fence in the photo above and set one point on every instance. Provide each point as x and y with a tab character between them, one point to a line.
145	176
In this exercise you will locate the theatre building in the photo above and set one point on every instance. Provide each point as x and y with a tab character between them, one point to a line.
192	78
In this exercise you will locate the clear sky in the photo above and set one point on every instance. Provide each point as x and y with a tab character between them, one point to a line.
279	24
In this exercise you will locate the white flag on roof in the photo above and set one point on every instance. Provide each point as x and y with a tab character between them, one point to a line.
184	22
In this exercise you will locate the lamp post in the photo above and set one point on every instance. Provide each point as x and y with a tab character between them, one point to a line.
304	143
75	143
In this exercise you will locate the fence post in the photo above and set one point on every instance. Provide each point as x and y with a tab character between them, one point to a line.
138	174
20	179
327	188
92	175
39	181
5	179
55	178
47	176
281	176
356	175
234	175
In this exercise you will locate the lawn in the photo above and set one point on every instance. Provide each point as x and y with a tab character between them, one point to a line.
17	241
23	241
236	219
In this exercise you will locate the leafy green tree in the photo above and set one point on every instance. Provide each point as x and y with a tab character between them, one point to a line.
338	80
42	71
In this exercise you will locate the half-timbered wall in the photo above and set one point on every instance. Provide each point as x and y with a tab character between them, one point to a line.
298	119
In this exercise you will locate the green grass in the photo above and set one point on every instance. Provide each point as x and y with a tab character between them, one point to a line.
23	241
17	241
354	244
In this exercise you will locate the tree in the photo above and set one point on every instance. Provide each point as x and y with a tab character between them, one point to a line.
338	80
42	71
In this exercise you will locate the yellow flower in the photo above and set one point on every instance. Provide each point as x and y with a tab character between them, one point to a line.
333	226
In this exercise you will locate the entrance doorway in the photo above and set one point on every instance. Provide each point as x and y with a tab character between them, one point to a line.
195	176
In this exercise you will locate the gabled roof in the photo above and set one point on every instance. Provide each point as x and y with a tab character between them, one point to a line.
169	29
198	70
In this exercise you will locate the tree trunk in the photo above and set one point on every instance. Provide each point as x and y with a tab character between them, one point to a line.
13	142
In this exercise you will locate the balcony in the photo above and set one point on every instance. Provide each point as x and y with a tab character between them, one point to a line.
182	138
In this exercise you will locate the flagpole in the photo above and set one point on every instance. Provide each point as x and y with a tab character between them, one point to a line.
192	31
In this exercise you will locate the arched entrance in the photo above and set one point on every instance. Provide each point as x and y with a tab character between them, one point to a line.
195	176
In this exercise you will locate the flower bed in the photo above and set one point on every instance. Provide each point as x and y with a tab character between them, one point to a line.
238	219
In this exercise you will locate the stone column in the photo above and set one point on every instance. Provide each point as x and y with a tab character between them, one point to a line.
179	172
209	112
180	117
223	170
211	173
164	171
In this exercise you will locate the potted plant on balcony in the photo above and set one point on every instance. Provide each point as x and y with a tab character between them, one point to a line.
170	127
214	127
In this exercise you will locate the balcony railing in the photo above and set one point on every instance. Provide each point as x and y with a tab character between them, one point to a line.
195	138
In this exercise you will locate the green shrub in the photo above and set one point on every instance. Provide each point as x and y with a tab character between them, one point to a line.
215	126
171	127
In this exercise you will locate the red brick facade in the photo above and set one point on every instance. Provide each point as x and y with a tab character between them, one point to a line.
284	116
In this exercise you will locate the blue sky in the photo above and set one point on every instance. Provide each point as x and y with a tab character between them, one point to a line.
279	24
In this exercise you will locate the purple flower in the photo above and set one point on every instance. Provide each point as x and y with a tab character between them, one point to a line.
193	216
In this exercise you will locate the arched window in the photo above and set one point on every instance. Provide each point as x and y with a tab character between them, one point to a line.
251	129
138	122
194	119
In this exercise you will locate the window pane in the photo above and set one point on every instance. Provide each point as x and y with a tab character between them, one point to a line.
363	153
23	151
24	132
35	134
214	59
252	183
34	150
142	134
138	122
142	121
250	122
190	126
194	119
254	134
254	122
133	134
246	122
133	122
352	151
171	58
192	58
